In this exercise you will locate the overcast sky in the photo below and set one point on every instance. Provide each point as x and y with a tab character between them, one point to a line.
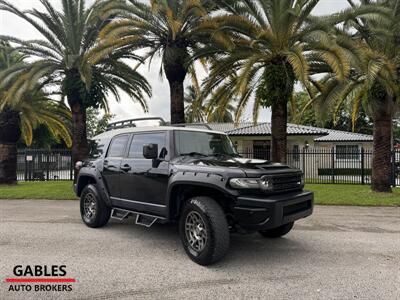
159	103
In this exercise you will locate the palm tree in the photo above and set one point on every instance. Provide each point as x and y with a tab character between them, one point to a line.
221	113
198	110
218	115
19	119
171	29
277	43
303	110
195	111
72	59
373	46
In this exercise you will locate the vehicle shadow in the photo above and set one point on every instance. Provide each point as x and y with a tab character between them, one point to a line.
252	248
257	250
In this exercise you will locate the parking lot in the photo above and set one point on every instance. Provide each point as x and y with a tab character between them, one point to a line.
338	253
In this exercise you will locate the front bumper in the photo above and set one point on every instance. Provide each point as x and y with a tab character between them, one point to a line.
256	213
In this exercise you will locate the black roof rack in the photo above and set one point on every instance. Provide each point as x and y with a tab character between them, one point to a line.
192	125
131	123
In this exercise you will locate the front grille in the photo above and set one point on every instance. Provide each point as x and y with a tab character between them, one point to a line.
286	182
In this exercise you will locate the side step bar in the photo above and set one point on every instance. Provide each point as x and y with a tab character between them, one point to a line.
146	221
141	218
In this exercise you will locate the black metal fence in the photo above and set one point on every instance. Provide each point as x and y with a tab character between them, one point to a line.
40	165
320	165
349	164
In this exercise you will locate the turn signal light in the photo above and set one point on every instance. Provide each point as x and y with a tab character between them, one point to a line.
78	165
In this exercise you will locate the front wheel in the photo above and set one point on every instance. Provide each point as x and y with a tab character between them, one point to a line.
94	212
278	231
204	231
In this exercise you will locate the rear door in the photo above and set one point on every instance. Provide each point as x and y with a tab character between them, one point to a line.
144	181
112	163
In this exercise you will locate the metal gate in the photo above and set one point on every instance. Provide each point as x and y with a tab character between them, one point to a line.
396	168
43	165
321	165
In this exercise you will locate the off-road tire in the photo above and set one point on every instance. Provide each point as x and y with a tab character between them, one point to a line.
278	231
103	212
216	228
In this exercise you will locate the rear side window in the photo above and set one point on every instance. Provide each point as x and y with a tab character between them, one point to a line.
96	148
117	146
139	140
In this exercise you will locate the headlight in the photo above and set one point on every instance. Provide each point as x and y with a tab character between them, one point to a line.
244	183
264	183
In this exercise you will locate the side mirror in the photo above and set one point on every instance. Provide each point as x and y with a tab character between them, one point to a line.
150	151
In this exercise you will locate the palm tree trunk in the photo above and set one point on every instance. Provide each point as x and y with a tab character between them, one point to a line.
10	133
80	147
8	163
278	131
177	102
174	62
275	91
381	159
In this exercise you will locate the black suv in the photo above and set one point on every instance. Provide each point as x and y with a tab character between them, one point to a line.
193	176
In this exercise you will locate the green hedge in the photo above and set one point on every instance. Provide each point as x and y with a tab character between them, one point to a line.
344	171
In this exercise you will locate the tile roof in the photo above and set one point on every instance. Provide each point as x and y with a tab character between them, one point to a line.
322	134
265	129
344	136
225	127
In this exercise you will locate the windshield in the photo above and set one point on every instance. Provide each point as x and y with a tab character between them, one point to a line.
203	143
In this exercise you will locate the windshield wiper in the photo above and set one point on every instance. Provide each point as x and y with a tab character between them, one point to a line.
194	154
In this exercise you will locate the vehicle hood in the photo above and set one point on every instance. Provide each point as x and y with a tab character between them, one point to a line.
232	165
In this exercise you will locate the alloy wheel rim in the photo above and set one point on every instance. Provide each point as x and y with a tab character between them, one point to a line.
89	206
195	231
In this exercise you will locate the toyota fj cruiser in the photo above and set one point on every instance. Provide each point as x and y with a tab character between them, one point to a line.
190	175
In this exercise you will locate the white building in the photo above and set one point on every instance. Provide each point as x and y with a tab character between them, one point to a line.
319	152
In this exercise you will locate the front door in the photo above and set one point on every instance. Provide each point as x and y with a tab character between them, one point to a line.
144	181
112	162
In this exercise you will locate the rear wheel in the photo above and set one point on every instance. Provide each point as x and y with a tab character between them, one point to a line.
278	231
204	230
94	212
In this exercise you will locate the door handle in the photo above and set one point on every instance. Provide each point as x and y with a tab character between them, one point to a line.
126	168
107	166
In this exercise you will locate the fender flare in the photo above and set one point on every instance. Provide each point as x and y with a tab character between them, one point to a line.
195	179
99	183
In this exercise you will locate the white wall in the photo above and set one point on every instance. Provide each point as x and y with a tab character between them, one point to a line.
245	143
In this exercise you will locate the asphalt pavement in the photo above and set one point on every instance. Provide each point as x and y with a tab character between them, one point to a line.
337	253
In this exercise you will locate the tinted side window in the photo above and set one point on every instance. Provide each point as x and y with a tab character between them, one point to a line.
117	146
96	148
139	140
